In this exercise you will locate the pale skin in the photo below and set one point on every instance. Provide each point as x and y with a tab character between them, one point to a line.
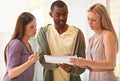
30	31
110	45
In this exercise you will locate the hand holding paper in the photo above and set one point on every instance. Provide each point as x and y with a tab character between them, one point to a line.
58	59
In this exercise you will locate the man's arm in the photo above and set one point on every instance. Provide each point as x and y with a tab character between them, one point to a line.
44	49
79	50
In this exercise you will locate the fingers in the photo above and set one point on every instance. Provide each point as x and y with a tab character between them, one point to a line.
73	60
65	67
34	57
81	62
30	57
76	61
67	54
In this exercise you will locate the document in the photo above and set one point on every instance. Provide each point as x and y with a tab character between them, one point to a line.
59	59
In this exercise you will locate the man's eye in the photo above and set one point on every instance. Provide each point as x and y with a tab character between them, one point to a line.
32	27
57	15
93	20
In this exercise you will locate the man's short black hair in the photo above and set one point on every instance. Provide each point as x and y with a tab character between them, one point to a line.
58	3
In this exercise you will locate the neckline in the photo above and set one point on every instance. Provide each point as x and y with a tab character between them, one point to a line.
96	37
62	32
29	50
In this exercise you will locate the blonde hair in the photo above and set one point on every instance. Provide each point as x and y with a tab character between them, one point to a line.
100	9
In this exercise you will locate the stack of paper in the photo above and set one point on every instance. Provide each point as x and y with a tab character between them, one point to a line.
59	59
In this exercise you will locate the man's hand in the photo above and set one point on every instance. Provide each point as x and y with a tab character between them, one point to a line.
66	67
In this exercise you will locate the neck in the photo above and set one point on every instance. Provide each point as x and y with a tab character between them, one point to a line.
61	30
25	40
26	43
98	32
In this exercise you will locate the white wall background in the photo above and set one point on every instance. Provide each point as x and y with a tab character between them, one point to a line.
9	11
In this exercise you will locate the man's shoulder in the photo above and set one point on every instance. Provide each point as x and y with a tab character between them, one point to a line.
76	28
44	28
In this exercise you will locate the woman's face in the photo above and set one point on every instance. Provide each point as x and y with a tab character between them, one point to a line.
30	29
94	21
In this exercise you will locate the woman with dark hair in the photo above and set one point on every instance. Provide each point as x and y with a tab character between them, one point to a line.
19	57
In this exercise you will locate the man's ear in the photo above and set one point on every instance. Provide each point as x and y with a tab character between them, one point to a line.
50	13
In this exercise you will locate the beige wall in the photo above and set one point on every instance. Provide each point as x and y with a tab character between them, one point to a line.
4	38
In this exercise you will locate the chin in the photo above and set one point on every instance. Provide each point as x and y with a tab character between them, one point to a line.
62	25
91	28
32	35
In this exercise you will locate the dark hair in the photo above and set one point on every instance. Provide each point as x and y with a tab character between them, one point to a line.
23	19
59	4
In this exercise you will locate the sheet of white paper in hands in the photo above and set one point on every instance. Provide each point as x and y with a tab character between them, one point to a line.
59	59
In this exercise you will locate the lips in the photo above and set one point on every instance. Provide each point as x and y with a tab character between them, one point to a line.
62	22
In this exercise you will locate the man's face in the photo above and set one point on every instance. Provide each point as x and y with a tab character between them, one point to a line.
59	16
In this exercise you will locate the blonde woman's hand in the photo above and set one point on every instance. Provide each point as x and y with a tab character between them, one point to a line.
78	61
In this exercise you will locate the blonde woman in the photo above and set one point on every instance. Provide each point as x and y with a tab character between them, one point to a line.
103	46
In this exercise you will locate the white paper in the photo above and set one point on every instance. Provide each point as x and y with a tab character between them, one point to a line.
59	59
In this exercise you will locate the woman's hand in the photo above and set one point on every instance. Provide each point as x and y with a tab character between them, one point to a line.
20	69
78	62
34	57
